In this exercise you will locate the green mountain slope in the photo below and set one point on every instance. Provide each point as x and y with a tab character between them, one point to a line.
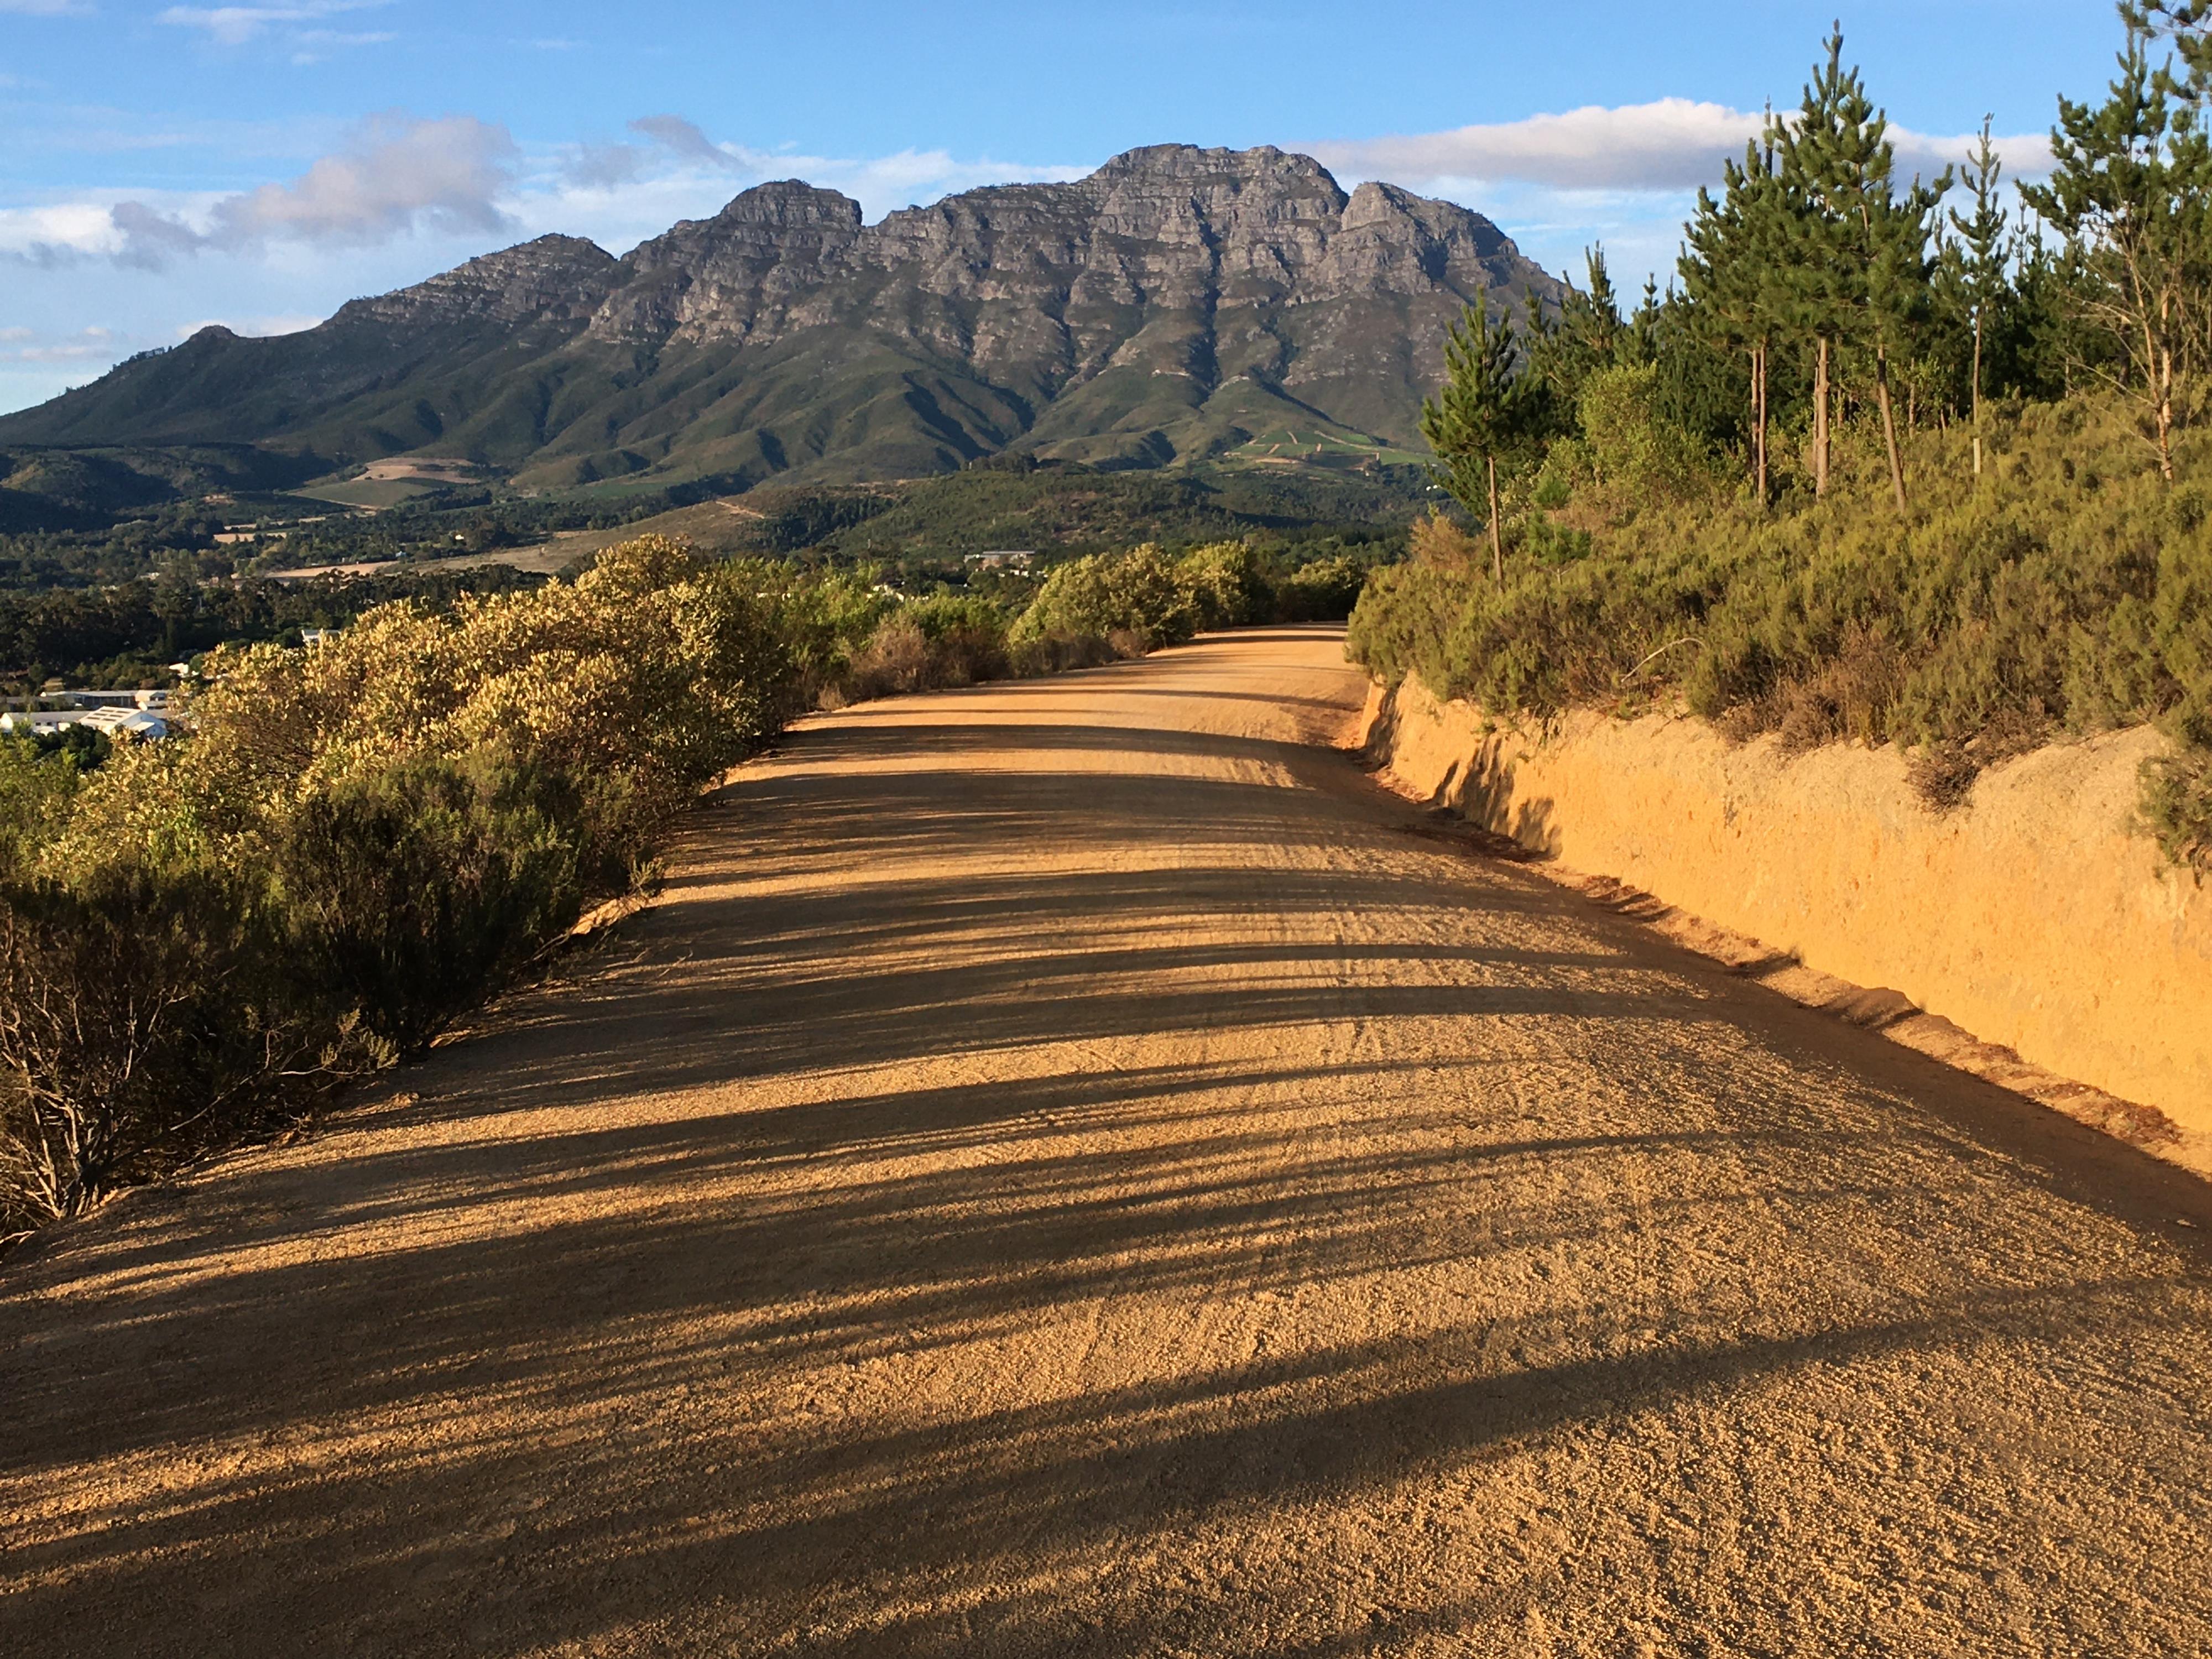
1172	307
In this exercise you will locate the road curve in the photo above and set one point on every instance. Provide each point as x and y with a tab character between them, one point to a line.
1068	1169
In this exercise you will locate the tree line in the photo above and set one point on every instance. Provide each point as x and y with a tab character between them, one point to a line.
1817	286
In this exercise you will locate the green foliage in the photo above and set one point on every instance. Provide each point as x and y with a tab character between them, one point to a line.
943	640
355	843
1143	599
1627	446
38	785
1227	582
1320	590
1486	415
1139	593
2071	590
415	889
1588	335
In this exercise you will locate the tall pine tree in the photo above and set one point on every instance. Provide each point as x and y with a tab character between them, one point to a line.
1980	263
1858	261
1478	416
1727	267
2131	192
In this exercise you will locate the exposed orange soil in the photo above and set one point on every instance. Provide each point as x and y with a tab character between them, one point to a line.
1062	1171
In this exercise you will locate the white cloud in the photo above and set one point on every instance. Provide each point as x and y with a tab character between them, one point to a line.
24	345
880	184
233	26
315	44
56	233
399	175
1672	144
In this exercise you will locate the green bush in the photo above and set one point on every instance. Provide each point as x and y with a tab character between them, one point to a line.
413	890
1140	592
37	789
144	1017
1320	590
1144	595
2070	589
1227	583
355	843
1624	447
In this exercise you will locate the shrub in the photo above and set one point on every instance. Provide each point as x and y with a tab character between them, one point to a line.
896	660
2071	590
1061	653
1627	446
1226	583
1320	590
143	1019
37	790
411	892
357	842
1140	591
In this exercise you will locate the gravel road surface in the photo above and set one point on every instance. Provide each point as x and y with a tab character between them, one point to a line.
1071	1168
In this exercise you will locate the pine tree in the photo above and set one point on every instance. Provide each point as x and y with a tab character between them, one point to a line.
1585	338
1592	319
1813	289
1728	270
1477	416
1859	249
2131	192
1981	263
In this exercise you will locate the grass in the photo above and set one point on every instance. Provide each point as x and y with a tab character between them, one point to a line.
1317	447
373	493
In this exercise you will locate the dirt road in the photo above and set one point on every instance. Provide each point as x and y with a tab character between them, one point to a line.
1067	1169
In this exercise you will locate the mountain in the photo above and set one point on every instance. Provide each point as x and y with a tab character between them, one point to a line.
1177	303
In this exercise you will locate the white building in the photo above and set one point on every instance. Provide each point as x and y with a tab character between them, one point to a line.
128	725
146	699
40	722
119	722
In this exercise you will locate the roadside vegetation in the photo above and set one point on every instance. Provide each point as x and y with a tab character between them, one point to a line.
354	843
1874	469
357	842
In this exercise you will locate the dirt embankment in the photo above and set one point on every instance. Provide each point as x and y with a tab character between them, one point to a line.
1073	1167
2033	915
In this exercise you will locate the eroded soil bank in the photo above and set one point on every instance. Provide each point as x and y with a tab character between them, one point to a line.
1075	1169
2033	915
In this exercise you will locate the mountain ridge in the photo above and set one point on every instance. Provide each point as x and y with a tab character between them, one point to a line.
1173	305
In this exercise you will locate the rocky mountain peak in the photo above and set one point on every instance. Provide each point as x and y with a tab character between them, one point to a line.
1177	302
551	278
790	203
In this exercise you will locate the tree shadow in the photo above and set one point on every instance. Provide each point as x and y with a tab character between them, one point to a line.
1023	1207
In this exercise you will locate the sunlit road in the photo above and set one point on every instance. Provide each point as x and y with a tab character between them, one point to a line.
1064	1170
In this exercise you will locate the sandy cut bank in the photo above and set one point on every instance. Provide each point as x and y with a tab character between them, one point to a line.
2032	915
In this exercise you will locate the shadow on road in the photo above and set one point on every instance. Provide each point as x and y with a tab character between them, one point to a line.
1034	1186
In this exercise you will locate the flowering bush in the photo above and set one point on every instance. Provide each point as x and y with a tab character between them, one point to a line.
355	843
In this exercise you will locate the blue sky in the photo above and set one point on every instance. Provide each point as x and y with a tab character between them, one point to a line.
163	166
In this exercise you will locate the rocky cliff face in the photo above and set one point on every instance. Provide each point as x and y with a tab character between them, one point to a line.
1177	302
1170	226
552	279
717	279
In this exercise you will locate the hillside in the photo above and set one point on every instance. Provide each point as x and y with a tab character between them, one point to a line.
1177	304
